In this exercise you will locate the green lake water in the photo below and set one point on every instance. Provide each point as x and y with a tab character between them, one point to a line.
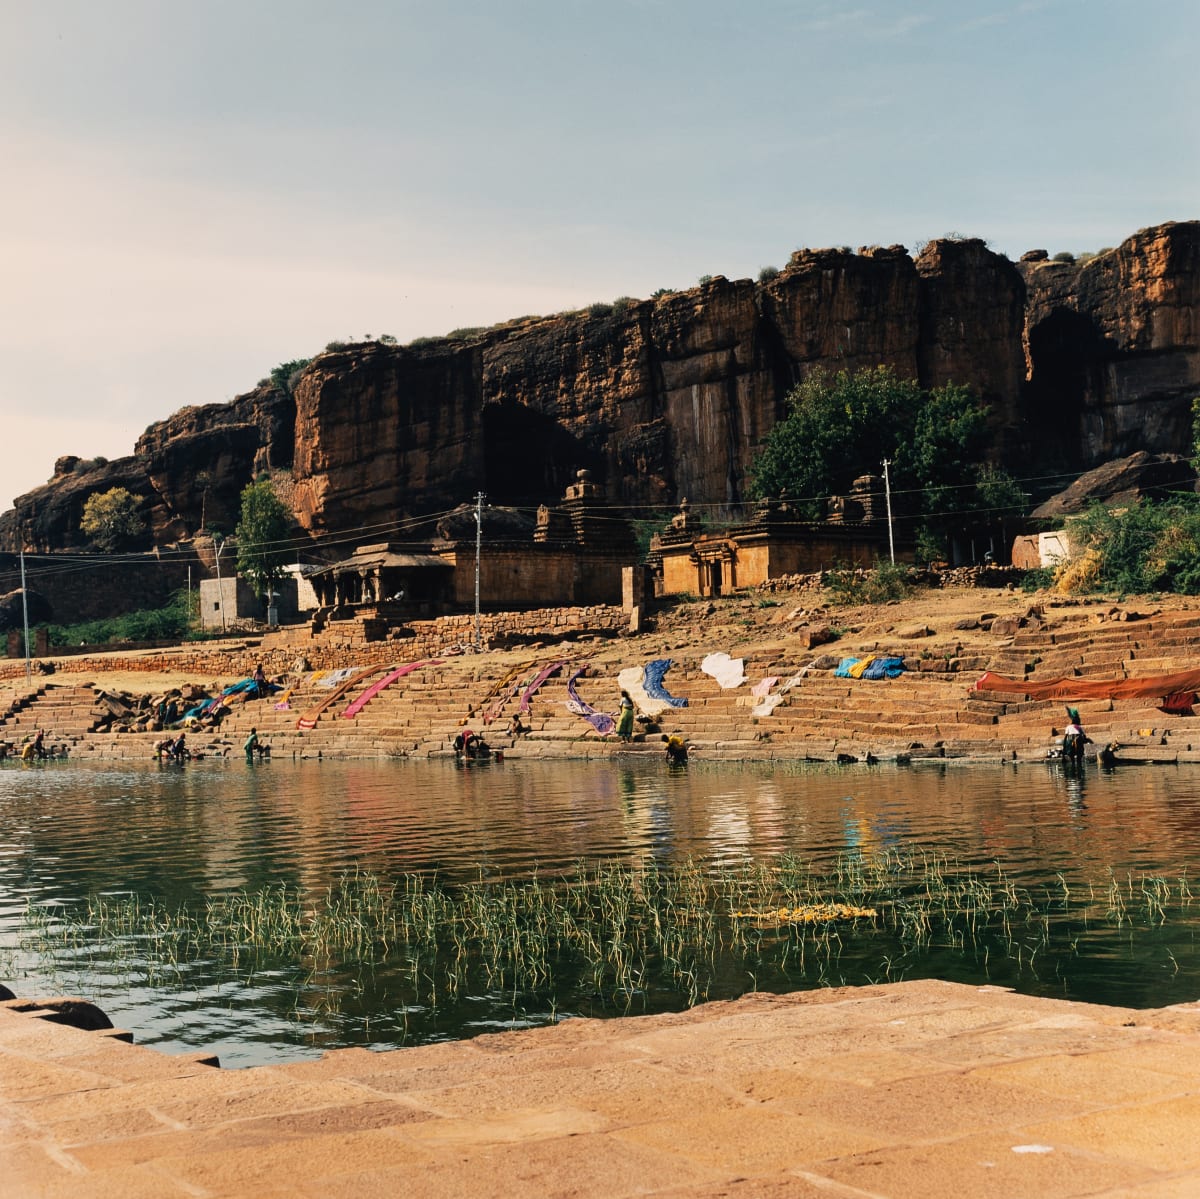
1096	869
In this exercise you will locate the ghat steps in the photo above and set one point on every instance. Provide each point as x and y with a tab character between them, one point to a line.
929	711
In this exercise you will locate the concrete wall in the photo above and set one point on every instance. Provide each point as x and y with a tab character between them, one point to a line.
236	597
1038	550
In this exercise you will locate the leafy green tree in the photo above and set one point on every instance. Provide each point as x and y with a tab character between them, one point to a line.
999	494
285	375
110	518
837	428
842	426
262	534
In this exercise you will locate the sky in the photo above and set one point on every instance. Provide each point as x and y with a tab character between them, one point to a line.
195	192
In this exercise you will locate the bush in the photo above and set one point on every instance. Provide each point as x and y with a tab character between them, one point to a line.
1063	256
622	304
170	623
285	375
1145	547
662	291
599	309
767	273
1041	578
884	581
86	464
110	518
466	333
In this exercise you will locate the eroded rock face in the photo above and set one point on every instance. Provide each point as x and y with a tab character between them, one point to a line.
1113	347
187	471
671	397
384	431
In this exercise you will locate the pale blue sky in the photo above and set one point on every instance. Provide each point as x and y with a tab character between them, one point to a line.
197	191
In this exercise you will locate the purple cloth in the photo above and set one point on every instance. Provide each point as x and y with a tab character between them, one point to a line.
600	721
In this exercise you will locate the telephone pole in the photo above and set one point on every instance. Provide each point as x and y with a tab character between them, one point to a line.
887	492
220	545
25	614
478	552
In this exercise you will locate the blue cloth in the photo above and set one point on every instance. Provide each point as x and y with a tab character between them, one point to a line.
884	668
843	670
652	683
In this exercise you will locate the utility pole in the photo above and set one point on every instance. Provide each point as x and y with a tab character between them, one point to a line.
478	552
25	614
887	491
220	545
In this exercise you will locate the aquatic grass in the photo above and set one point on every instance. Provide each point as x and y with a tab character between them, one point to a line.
604	937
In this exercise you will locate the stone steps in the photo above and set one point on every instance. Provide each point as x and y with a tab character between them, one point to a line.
931	706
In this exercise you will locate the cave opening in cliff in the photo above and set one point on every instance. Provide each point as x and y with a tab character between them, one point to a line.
1065	352
529	458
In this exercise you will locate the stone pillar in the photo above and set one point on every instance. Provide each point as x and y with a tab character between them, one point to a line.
633	595
633	587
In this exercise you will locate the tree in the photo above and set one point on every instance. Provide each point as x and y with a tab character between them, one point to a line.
262	534
110	518
841	426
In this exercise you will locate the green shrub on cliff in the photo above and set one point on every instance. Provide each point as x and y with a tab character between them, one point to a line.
110	518
284	376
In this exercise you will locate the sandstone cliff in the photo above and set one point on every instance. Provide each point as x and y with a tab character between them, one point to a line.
670	397
1113	346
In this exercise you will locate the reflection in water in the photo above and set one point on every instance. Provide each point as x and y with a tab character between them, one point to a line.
181	835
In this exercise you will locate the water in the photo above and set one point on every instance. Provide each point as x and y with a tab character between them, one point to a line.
182	835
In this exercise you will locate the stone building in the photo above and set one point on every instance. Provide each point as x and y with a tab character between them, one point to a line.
775	541
571	553
226	603
400	579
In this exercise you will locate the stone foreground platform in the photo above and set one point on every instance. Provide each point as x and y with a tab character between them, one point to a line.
912	1089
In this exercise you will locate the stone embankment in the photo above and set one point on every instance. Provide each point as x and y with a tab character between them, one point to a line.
921	1089
945	639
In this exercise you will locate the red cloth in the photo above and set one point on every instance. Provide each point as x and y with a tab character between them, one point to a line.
1151	687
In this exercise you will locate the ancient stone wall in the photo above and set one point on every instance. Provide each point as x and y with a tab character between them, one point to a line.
80	587
342	645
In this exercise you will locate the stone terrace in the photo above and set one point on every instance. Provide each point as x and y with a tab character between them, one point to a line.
924	1089
931	710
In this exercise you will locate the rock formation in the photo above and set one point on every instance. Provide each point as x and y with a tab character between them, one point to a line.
1122	481
1113	347
668	397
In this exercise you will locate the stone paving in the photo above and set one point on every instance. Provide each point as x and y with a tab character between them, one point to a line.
923	1089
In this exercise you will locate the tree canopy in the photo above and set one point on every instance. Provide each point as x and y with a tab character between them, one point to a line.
110	518
262	535
842	426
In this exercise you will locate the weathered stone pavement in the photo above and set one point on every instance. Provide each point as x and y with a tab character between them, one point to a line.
922	1089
